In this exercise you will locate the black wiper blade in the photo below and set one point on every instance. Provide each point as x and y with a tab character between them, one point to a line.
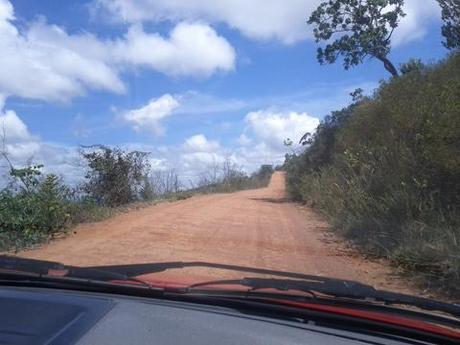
337	288
43	268
27	279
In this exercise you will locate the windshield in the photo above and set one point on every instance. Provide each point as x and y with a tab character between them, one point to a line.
320	138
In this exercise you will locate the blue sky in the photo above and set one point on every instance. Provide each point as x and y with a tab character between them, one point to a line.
193	82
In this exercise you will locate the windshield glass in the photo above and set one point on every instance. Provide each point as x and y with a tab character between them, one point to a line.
314	137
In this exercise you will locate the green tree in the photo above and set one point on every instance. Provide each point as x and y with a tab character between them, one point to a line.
451	27
27	177
51	199
363	28
115	177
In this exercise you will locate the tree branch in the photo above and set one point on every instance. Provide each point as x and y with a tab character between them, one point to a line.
388	66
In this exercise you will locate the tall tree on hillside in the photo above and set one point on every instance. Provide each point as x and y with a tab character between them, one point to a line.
451	27
363	29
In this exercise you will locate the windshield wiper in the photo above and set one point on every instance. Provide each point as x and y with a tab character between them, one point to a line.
41	268
297	281
335	288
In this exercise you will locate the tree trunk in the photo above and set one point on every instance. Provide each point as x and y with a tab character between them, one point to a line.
389	66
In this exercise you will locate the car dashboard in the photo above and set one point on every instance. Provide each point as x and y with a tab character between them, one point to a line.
51	316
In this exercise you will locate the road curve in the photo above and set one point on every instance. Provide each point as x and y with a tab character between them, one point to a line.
257	228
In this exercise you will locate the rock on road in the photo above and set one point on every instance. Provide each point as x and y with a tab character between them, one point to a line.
257	228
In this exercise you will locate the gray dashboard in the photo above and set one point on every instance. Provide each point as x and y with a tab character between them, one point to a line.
43	316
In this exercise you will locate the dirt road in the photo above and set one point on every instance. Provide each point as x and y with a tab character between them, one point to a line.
256	228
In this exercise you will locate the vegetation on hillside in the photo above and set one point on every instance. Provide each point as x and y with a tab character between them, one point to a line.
386	170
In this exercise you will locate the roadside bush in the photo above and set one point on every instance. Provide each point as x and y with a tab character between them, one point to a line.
115	177
386	172
32	209
85	209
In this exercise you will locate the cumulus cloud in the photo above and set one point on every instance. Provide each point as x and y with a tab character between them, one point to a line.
190	49
34	63
262	140
257	19
23	147
44	62
149	116
415	24
198	155
271	127
12	126
16	140
199	143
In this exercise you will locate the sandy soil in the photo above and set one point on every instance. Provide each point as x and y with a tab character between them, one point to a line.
257	228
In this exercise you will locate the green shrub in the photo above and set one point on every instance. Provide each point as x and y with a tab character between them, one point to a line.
32	214
114	176
85	209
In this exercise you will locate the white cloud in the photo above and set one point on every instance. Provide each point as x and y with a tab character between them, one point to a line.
22	148
198	156
16	140
149	116
6	11
271	128
45	62
280	20
191	49
256	19
262	141
199	143
34	64
414	26
12	127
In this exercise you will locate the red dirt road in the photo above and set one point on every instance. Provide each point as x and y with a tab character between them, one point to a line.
257	228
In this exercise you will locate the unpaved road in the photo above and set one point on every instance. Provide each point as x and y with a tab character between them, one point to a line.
257	228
